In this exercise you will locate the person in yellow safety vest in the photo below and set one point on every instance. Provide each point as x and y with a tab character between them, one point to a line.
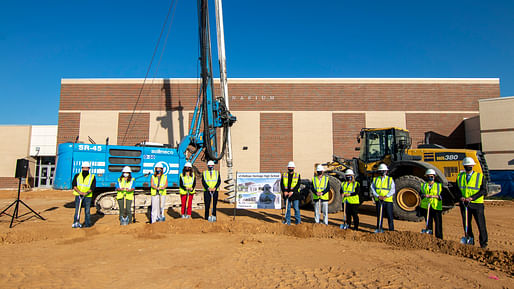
383	190
320	189
350	193
158	184
290	186
187	189
473	189
211	181
84	183
431	196
125	195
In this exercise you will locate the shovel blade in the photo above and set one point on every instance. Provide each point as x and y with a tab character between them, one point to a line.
379	231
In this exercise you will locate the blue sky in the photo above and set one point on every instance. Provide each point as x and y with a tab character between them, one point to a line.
44	41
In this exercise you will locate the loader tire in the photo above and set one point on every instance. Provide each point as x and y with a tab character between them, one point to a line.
334	195
407	198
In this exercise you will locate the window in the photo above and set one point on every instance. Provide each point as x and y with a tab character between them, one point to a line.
125	153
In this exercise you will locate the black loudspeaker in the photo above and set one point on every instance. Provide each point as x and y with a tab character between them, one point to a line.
22	167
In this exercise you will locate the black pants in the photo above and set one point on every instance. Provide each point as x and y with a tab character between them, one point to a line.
387	211
352	212
207	200
125	211
476	211
436	217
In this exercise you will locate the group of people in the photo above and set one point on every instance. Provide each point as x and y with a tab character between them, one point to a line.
84	183
470	183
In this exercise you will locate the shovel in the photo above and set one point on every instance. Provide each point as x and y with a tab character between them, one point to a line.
77	223
124	219
344	225
426	230
466	240
379	229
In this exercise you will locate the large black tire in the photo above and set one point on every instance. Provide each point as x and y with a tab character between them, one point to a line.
334	195
407	198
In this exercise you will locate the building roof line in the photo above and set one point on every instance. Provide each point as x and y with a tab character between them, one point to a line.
283	80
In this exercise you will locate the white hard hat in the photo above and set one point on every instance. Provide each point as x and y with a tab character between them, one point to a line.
126	169
320	168
467	161
291	165
86	165
159	165
430	172
383	167
188	165
349	172
210	163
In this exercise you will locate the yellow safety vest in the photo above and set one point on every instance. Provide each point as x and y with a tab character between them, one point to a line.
319	186
435	190
382	188
125	186
210	178
84	184
294	179
472	187
188	183
155	180
349	188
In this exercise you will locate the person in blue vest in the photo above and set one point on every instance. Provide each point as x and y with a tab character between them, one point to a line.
290	185
383	190
84	183
350	193
211	181
431	197
320	189
473	189
125	195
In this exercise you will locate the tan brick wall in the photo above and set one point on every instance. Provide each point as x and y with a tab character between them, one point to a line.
8	182
345	129
138	131
68	127
276	141
446	124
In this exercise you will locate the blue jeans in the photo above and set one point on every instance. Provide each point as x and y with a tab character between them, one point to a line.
296	207
86	204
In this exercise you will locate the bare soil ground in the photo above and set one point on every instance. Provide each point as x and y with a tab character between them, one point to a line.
253	251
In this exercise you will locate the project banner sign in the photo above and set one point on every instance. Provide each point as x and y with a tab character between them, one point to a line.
258	191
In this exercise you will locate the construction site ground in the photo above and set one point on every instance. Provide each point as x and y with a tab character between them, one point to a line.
253	251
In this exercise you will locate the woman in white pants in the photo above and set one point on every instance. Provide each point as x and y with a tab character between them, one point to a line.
159	184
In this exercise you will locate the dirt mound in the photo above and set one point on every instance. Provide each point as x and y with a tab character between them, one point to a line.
400	240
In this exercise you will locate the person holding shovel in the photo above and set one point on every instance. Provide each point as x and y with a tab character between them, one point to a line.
187	189
350	193
383	190
431	204
320	189
290	186
473	190
125	195
211	181
83	185
159	183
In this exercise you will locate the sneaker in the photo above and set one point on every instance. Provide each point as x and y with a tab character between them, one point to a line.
188	216
183	216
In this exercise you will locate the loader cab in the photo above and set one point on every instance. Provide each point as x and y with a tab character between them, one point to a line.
383	145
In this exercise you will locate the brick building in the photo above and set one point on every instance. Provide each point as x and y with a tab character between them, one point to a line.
305	120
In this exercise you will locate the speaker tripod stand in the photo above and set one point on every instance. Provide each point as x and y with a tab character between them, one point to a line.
16	205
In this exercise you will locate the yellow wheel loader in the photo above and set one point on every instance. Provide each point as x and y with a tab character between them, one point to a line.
407	167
